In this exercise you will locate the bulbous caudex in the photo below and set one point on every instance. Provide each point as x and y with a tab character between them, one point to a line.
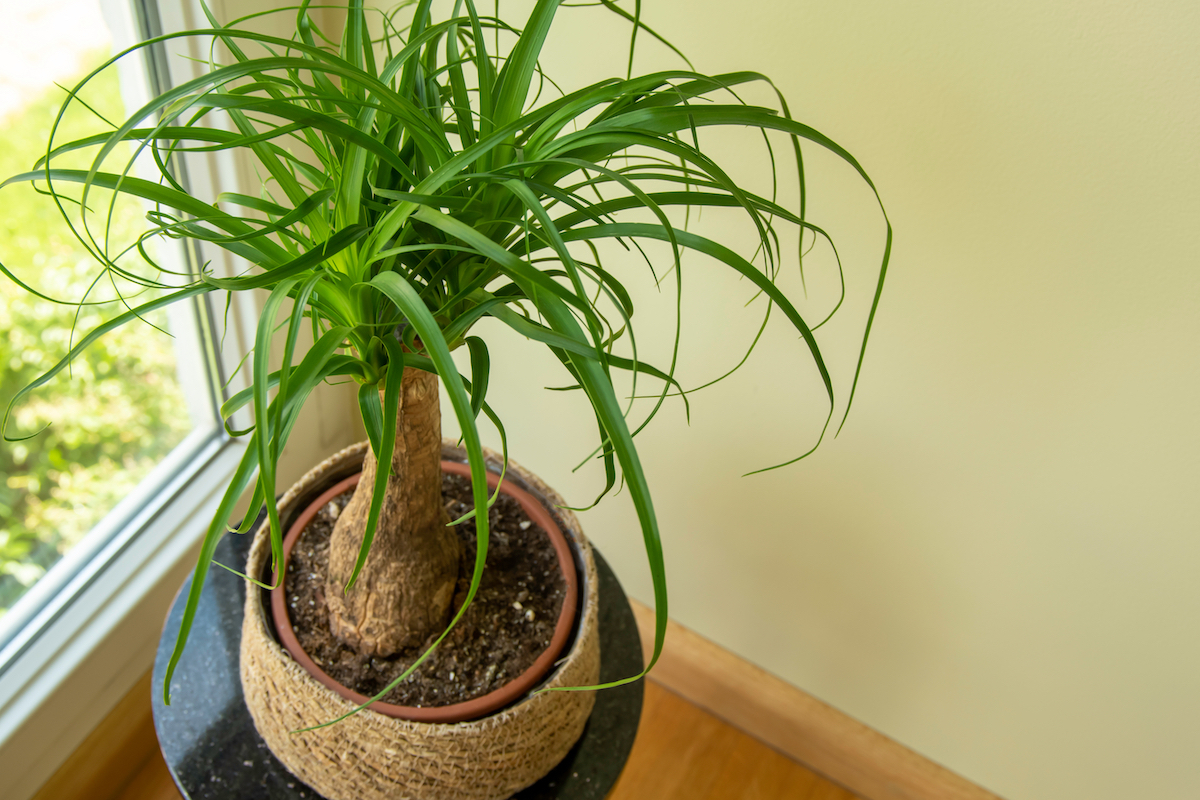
404	592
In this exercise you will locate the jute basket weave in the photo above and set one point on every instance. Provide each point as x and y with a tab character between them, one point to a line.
370	756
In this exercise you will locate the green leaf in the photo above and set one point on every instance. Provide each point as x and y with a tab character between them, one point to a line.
262	252
372	414
728	257
600	392
480	366
312	258
241	479
266	450
512	84
380	423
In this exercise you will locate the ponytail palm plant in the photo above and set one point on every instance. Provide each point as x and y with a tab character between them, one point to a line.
413	185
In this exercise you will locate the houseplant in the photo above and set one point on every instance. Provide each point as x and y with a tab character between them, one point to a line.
431	187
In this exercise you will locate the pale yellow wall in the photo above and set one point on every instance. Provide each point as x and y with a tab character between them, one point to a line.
996	562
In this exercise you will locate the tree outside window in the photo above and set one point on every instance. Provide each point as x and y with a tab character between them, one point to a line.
121	410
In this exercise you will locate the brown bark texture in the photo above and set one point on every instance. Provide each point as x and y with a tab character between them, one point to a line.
404	592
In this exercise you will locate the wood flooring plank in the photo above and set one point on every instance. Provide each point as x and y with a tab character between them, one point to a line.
111	755
755	772
152	782
683	752
785	779
700	748
829	791
745	761
650	749
670	733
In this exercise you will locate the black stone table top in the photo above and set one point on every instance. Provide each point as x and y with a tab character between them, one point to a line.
214	753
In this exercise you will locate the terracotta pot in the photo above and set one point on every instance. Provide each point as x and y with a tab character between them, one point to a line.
370	756
470	709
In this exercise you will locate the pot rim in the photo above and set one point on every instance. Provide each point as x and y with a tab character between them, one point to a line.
470	709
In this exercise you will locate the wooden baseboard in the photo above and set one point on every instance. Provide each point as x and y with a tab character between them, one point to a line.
112	755
795	723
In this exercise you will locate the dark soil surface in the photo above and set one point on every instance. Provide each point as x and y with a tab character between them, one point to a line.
508	625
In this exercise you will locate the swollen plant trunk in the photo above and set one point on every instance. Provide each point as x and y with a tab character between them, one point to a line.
405	589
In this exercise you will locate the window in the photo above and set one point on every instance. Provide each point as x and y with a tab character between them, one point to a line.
123	409
99	516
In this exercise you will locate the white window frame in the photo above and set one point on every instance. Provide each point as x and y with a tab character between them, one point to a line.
97	631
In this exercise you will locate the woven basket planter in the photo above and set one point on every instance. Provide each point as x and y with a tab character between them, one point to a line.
370	756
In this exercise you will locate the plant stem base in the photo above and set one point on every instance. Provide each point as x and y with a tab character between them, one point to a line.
214	753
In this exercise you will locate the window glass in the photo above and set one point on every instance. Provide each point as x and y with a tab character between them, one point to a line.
120	410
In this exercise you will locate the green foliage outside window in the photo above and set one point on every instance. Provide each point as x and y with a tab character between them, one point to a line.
121	409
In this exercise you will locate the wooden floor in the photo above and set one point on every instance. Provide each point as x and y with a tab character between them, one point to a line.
682	752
